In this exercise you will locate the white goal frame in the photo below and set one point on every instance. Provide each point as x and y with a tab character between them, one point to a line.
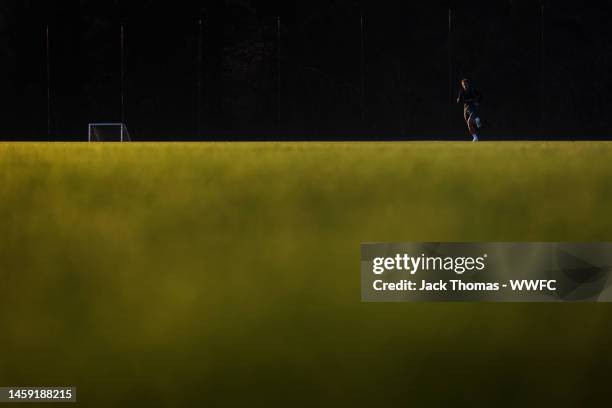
125	135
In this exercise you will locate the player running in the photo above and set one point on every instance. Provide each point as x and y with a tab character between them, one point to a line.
470	98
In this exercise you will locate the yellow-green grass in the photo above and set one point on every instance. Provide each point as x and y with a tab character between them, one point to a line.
227	274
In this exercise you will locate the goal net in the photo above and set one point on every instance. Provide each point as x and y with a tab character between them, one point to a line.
108	132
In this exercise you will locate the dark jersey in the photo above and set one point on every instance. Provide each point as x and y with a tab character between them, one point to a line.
469	96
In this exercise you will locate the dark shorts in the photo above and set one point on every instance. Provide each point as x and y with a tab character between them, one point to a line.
470	111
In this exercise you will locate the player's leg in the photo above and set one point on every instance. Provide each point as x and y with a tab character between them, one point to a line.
469	119
472	128
466	118
474	111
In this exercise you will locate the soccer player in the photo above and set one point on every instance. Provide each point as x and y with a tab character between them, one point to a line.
470	98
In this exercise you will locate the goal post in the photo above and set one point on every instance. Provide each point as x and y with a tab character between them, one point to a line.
108	132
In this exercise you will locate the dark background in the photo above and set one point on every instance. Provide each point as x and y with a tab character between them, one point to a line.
545	72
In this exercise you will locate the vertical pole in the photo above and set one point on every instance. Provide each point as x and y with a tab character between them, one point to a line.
200	57
450	71
48	57
362	84
122	75
542	27
278	70
542	53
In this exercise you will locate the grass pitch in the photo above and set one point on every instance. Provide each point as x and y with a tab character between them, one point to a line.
227	274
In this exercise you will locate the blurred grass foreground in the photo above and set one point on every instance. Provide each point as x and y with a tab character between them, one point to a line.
227	274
